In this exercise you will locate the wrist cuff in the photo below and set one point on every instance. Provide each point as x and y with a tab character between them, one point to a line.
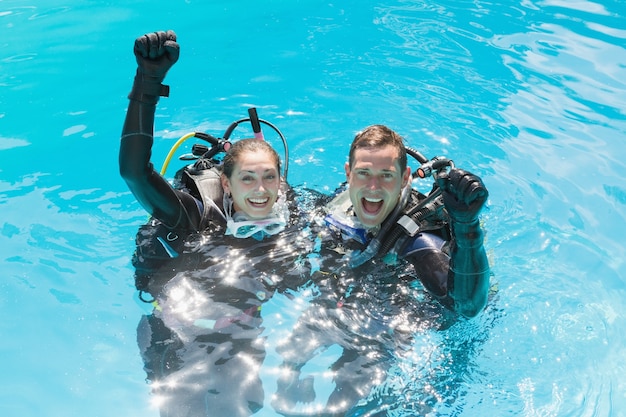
467	235
147	90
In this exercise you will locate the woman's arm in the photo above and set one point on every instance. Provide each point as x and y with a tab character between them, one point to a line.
155	53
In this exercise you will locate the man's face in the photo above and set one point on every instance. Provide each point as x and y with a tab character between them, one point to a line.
375	183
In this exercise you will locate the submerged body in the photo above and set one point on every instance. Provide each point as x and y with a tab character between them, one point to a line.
370	313
201	346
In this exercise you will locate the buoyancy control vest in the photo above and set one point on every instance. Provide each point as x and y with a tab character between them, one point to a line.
415	213
157	243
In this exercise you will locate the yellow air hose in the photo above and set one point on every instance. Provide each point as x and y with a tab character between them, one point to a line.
173	150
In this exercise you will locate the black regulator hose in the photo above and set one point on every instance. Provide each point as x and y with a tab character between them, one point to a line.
256	125
424	208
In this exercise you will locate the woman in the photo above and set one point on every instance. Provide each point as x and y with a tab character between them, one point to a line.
206	279
255	163
250	174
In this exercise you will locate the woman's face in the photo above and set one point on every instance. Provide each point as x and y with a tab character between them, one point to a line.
253	184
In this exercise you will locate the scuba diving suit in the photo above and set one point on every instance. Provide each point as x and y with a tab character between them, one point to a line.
200	341
439	234
367	304
192	204
369	312
427	249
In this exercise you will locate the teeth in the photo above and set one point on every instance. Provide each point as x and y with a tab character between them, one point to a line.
373	200
259	200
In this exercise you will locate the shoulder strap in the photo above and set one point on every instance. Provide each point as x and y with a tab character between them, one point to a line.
206	185
421	214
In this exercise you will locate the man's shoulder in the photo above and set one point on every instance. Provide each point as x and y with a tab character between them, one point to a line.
424	242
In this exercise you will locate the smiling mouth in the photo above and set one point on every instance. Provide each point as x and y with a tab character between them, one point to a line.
371	205
258	202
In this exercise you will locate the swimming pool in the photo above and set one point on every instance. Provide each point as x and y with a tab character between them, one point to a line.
531	96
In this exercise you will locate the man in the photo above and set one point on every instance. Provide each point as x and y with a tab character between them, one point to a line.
366	307
377	174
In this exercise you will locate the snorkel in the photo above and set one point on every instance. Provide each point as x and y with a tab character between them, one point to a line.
256	125
258	134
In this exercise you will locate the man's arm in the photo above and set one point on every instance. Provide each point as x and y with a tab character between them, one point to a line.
460	277
468	276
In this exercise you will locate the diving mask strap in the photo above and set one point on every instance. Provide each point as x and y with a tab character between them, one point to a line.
234	221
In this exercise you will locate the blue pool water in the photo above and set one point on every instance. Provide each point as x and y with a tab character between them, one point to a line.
530	95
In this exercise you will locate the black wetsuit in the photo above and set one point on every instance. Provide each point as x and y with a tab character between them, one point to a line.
372	312
177	209
200	345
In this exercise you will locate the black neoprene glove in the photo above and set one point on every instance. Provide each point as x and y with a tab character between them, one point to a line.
464	196
155	52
